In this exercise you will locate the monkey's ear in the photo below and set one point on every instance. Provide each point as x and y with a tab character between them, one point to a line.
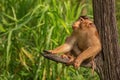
81	19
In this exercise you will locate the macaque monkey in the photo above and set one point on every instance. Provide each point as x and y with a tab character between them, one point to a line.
84	42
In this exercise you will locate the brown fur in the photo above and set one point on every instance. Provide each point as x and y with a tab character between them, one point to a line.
84	42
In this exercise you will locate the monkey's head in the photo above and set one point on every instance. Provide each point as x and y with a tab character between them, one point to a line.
83	22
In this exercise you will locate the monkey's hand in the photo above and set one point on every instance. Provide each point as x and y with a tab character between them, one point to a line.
77	63
64	56
71	59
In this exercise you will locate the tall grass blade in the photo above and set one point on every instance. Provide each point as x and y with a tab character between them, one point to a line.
28	55
8	54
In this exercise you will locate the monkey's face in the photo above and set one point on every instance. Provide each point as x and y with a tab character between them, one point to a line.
82	24
76	25
85	24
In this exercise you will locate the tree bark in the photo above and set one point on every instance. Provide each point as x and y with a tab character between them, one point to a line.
108	62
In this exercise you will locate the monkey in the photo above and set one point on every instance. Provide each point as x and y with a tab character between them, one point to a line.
83	43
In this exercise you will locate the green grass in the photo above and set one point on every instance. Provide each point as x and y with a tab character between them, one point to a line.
27	27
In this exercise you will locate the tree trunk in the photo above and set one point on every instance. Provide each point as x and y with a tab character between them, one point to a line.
108	62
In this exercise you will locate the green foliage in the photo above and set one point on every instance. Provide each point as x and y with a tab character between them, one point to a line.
27	27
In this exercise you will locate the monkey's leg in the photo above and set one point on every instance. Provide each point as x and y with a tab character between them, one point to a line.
75	51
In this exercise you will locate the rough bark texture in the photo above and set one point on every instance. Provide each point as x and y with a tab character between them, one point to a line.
108	62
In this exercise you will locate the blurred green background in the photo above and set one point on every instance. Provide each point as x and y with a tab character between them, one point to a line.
27	27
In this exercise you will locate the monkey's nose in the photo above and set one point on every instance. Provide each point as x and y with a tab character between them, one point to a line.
74	27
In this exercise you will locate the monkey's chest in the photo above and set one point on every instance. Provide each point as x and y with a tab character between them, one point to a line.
82	44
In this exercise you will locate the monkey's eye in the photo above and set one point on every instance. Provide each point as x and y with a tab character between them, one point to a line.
91	23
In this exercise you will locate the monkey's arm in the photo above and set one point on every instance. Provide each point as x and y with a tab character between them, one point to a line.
66	47
90	52
62	49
